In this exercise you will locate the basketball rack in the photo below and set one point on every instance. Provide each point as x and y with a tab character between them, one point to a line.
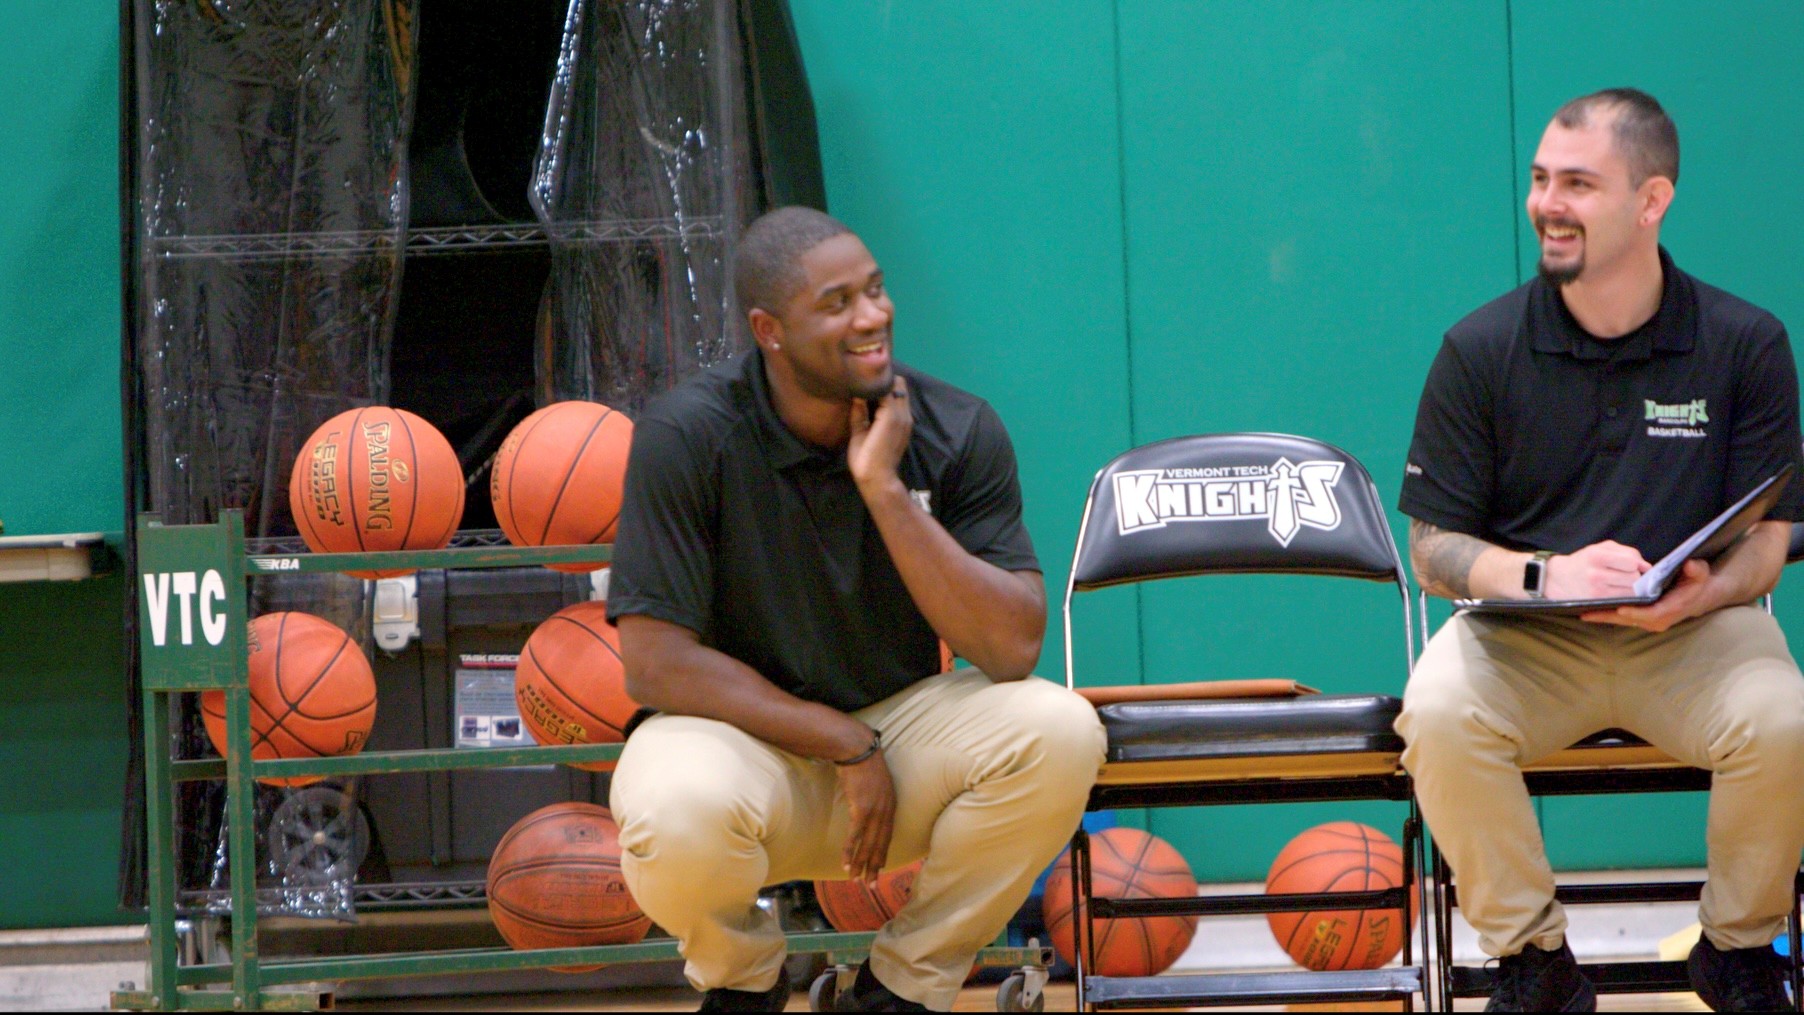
198	643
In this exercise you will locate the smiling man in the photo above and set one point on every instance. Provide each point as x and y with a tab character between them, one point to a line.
1570	432
802	527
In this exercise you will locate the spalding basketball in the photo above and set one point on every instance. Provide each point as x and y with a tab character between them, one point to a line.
851	907
313	693
1125	863
558	478
1341	856
376	479
570	684
554	882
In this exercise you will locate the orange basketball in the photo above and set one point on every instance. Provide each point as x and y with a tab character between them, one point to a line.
558	477
570	684
850	907
1125	863
313	693
1341	856
376	479
555	882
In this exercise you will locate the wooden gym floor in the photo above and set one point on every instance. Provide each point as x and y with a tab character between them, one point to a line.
1059	997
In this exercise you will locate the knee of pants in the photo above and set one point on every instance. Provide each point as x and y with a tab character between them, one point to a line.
1770	727
694	824
1061	725
1442	717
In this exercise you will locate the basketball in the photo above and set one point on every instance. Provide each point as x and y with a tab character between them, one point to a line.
1125	863
376	479
313	693
558	477
850	907
1341	856
554	882
570	684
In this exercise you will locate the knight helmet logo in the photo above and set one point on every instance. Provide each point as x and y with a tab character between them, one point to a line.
1288	496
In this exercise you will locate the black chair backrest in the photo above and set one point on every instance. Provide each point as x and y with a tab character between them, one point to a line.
1795	551
1233	503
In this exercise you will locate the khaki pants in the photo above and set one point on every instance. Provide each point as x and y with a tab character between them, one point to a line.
991	780
1721	692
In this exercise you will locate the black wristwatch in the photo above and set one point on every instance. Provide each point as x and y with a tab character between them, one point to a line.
1534	575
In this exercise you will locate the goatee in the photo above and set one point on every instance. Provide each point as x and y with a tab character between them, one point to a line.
1560	276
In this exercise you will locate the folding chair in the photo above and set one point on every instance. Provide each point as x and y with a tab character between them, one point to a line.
1228	504
1609	762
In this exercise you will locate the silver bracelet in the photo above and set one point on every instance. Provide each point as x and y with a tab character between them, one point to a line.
876	745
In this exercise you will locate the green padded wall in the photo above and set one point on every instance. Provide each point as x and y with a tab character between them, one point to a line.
974	147
1730	77
1308	195
1314	192
59	271
62	684
1116	219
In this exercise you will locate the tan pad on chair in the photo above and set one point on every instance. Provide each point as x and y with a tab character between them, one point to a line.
1195	690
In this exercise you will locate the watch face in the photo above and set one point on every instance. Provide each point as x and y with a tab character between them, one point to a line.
1532	574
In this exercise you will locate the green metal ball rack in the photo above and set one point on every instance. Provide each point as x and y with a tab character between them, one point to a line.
192	625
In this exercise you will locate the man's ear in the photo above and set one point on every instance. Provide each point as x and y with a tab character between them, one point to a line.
1656	196
767	331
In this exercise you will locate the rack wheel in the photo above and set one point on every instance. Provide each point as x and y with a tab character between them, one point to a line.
1012	995
823	991
318	836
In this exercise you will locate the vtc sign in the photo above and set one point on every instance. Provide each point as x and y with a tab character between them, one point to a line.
211	588
191	603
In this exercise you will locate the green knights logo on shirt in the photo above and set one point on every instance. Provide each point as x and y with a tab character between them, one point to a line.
1677	419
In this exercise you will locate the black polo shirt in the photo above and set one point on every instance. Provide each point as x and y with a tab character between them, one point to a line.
738	530
1534	434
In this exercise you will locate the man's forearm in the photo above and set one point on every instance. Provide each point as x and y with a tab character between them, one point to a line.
1750	569
1453	565
670	670
994	618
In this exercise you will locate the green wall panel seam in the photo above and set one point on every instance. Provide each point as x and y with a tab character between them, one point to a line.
1509	67
1121	184
1127	309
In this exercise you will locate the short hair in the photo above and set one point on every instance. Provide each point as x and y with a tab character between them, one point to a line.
1643	133
767	267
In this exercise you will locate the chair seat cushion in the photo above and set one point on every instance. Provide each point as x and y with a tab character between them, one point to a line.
1313	724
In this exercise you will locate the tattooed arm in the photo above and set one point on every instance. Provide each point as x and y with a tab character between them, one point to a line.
1453	565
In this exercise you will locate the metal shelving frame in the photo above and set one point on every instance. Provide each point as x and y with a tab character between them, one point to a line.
429	240
195	575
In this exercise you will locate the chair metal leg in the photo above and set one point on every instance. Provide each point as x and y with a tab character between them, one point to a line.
1443	957
1795	932
1082	938
1415	872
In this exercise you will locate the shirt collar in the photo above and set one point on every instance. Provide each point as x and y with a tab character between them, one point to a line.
1673	328
782	448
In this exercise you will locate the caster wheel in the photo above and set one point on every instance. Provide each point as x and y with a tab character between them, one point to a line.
1011	996
318	837
823	991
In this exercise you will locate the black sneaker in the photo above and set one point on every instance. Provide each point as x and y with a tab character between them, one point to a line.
1537	980
869	994
1740	979
774	999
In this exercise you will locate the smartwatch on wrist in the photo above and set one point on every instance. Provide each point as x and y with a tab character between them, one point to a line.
1534	574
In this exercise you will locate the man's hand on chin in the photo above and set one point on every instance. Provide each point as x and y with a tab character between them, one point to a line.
1693	595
